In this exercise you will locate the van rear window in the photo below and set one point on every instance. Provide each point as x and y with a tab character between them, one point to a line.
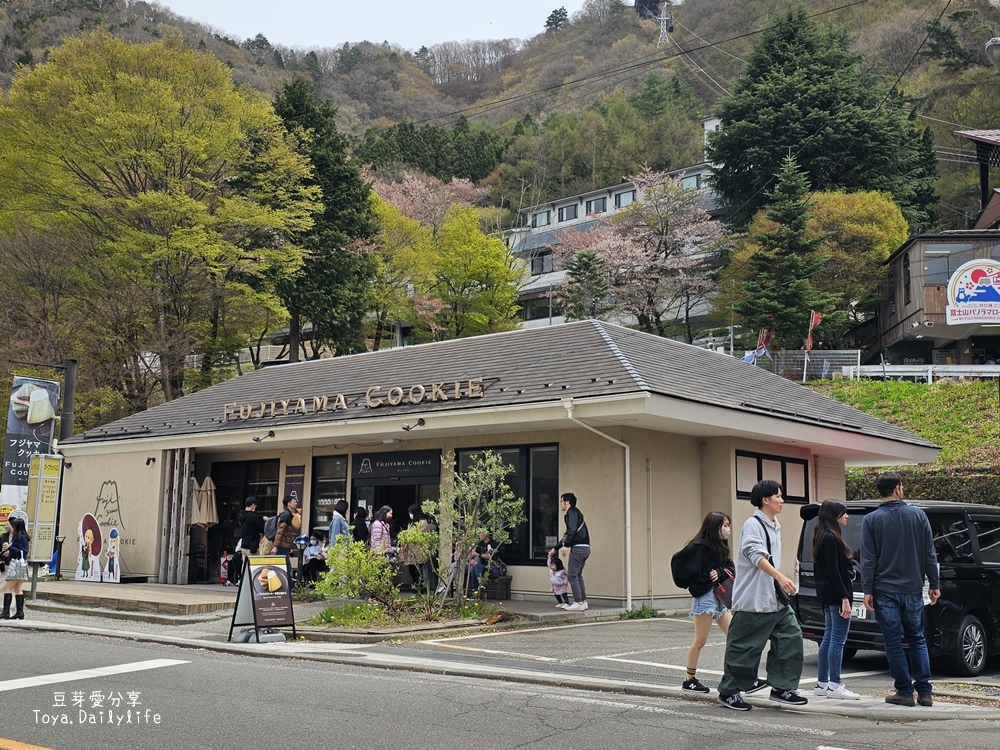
851	533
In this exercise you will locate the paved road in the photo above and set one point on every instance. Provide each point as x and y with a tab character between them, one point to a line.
213	700
653	650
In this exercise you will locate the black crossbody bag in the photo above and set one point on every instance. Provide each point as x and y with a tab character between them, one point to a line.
783	599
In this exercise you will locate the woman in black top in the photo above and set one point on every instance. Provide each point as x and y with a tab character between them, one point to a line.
360	530
705	562
15	548
832	565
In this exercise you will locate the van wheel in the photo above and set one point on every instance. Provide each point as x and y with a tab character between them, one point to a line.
970	643
849	653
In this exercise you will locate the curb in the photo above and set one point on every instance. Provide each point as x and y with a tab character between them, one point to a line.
874	711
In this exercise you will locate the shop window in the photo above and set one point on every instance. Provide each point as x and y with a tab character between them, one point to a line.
541	219
234	482
791	473
535	477
995	253
566	213
597	206
329	484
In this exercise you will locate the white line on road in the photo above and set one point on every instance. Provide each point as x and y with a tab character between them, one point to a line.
700	716
655	664
86	674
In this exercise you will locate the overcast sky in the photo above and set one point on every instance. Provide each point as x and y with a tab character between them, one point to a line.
330	23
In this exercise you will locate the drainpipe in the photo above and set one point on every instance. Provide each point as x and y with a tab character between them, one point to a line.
568	405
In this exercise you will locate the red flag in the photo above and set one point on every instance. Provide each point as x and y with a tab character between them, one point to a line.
764	339
814	320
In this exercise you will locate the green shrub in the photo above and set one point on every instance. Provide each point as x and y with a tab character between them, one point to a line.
356	572
643	612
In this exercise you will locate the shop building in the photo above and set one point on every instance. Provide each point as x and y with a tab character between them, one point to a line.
649	433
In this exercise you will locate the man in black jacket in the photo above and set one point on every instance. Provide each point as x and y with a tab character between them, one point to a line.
577	539
251	530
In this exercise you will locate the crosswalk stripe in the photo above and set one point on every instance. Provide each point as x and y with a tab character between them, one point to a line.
86	674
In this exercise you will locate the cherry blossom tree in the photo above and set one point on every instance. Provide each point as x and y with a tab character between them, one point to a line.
427	199
659	255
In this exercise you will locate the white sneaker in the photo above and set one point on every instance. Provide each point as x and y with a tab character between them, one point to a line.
561	605
441	589
841	692
821	689
576	607
585	605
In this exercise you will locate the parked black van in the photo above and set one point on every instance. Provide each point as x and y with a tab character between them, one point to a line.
963	628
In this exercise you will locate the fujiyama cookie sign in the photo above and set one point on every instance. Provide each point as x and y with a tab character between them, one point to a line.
374	397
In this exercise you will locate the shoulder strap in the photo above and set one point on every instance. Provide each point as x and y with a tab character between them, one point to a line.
767	537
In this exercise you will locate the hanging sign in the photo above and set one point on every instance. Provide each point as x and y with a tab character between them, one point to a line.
44	491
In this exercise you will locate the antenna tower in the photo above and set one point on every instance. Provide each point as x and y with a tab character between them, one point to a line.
666	24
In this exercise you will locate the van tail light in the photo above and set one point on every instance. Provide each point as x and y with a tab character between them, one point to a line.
797	564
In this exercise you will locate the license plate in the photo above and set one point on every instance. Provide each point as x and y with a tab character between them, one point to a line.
858	611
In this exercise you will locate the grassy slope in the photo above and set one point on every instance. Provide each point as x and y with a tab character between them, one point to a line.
962	418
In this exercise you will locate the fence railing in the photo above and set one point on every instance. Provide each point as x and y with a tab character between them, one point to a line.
930	373
822	363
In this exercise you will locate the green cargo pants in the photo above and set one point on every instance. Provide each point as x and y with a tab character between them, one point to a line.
749	632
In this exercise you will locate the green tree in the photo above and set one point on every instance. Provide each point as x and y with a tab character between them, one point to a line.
474	500
188	188
330	290
557	20
778	291
475	277
803	91
587	293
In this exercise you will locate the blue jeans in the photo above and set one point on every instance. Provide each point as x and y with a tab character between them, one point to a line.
831	648
476	570
902	616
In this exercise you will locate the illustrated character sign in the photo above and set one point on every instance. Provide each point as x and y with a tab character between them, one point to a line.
88	564
112	571
974	293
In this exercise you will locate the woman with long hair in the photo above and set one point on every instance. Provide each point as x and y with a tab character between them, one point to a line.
707	561
15	548
381	537
832	564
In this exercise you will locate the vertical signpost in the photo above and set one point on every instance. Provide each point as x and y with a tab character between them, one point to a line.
44	493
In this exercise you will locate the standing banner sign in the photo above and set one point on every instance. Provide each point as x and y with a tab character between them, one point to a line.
30	422
264	599
44	492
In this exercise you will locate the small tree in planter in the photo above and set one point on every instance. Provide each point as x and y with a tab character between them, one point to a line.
474	501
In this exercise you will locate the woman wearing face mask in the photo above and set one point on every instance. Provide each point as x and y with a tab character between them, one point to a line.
380	536
705	561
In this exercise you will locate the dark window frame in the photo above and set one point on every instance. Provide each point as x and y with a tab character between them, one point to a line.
784	461
518	551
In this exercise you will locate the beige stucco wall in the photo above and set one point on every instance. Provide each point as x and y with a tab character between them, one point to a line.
675	480
122	491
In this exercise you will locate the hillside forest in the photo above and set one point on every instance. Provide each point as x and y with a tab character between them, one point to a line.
175	198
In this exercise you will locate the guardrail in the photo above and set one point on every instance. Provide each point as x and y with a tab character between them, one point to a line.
921	372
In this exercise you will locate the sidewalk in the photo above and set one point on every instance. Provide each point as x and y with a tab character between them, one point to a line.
203	615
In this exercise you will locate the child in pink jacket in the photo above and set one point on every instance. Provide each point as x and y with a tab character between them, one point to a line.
559	581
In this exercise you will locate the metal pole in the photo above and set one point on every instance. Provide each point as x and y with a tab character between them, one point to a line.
69	399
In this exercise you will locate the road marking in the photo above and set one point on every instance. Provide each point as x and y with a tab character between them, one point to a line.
86	674
14	745
661	665
495	652
699	716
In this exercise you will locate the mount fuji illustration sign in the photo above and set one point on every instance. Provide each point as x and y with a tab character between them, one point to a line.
974	293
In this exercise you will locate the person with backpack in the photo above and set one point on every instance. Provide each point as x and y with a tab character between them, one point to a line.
702	565
288	524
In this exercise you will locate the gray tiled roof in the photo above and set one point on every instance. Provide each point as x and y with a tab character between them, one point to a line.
579	360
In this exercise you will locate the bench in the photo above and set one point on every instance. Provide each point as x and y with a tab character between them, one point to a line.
497	587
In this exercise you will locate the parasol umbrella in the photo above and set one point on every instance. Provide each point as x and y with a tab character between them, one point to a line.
194	518
208	515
